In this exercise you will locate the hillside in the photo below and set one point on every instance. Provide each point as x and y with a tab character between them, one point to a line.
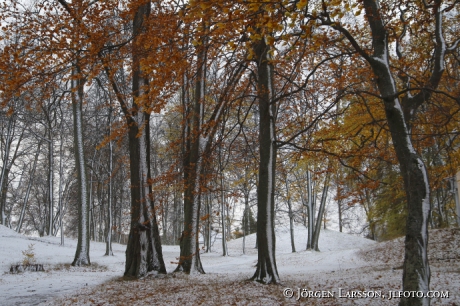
345	261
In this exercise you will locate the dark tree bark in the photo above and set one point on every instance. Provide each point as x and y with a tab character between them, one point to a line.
82	252
399	113
266	271
108	237
29	186
189	260
310	210
197	149
143	252
322	205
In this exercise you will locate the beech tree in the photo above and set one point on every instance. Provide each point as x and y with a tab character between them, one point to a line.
401	107
266	271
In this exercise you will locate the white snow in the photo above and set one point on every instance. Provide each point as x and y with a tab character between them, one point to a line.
31	288
345	263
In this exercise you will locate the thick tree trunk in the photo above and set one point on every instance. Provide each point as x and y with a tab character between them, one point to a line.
416	271
416	275
143	252
266	271
82	253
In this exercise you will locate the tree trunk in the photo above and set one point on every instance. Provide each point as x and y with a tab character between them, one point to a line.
50	180
82	253
246	229
189	261
310	211
290	214
416	274
61	176
4	175
29	186
339	207
143	252
108	239
223	218
291	227
320	213
4	192
266	271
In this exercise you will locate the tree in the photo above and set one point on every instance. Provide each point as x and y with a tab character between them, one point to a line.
266	271
82	252
143	253
400	109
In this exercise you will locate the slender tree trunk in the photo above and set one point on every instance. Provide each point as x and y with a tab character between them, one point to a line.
290	214
82	252
266	271
339	207
50	180
61	176
310	211
223	217
108	239
155	258
4	175
29	186
291	226
321	213
91	201
4	192
190	261
246	224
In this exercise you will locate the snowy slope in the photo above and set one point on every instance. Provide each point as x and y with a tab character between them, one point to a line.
339	247
30	288
345	261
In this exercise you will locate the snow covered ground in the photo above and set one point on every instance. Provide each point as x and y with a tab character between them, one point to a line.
345	264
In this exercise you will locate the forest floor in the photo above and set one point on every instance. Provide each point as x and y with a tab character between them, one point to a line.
346	265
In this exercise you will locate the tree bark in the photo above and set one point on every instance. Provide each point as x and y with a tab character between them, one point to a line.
266	271
310	211
29	186
143	252
190	261
108	238
322	205
50	179
82	252
416	271
5	166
